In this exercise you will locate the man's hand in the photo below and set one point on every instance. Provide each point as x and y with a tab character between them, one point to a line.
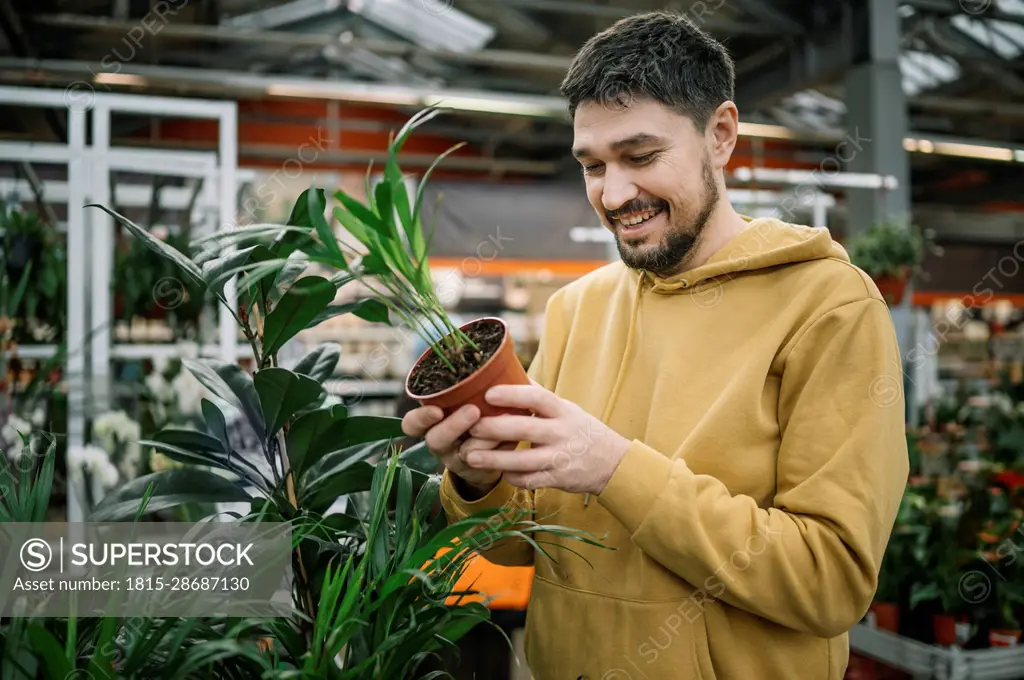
572	450
446	439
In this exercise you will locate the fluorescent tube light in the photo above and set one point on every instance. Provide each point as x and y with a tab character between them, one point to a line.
993	153
375	96
121	79
507	106
767	131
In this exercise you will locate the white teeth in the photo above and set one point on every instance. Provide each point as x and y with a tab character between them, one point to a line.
639	218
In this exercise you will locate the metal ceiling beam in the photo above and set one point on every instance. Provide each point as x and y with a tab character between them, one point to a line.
945	38
172	31
707	19
970	107
771	15
811	61
221	83
282	15
282	152
948	8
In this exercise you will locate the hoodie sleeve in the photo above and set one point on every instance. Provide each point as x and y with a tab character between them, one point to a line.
543	369
810	562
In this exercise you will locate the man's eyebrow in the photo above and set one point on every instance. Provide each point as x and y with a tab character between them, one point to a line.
636	140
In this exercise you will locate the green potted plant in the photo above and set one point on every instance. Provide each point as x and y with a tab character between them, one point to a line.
890	252
33	248
374	580
460	362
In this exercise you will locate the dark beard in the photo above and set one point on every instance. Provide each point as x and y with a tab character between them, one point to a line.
677	247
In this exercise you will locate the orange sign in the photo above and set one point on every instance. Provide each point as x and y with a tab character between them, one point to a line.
507	587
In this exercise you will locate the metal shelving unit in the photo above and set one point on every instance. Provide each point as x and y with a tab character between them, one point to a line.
925	661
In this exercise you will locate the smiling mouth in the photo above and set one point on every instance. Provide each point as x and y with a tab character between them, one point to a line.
636	220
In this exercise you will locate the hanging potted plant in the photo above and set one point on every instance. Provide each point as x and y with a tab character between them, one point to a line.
890	253
460	362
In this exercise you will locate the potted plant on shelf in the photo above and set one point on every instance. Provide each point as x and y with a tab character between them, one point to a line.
890	252
33	248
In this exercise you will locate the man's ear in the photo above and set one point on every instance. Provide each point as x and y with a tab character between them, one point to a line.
724	130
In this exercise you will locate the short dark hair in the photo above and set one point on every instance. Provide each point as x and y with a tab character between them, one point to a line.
661	55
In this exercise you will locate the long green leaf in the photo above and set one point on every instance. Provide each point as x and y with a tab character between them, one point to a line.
368	309
219	271
216	423
351	431
300	305
306	430
49	651
282	394
233	384
190	268
316	205
320	362
286	277
171	488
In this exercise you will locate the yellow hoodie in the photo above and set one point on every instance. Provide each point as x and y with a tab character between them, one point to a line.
763	395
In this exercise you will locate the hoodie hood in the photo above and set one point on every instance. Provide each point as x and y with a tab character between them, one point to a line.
765	242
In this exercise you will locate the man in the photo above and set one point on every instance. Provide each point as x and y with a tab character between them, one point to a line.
722	408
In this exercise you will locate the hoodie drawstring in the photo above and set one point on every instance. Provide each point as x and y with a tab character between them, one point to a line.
622	364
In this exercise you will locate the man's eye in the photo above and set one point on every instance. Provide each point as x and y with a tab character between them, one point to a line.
644	159
592	169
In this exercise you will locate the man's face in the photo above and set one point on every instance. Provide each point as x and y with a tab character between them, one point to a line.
650	177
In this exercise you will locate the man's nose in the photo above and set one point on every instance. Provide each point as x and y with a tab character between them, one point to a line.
618	190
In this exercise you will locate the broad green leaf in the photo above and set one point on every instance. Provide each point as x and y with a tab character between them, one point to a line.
319	363
305	206
301	304
190	440
283	393
171	488
219	271
355	478
292	270
322	468
216	423
234	464
350	431
368	309
233	384
418	457
307	429
190	268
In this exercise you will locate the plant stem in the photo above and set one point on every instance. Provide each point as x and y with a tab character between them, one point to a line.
289	480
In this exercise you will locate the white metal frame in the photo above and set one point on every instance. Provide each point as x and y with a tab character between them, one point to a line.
74	155
88	181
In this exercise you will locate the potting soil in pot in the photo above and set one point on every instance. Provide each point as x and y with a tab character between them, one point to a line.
432	375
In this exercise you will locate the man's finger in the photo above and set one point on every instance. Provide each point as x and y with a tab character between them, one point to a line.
529	460
529	397
416	422
509	428
478	444
444	435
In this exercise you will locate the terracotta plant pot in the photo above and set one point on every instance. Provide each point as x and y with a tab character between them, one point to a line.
892	288
502	367
887	616
1001	637
950	630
